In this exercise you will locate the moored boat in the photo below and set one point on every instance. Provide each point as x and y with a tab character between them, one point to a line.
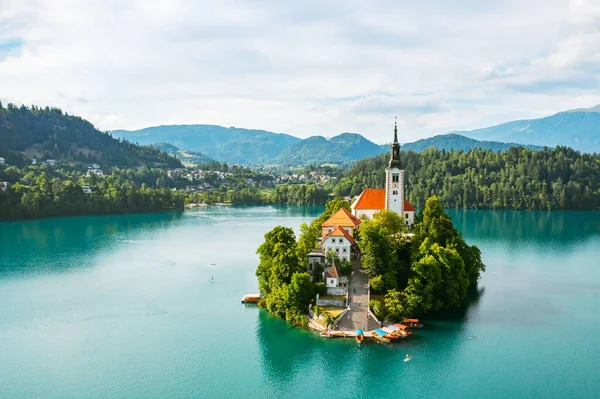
412	323
359	336
390	333
251	298
380	335
402	330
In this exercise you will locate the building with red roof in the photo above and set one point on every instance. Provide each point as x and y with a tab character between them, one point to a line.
342	218
340	242
392	197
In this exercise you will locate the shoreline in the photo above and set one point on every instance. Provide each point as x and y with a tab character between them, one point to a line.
199	204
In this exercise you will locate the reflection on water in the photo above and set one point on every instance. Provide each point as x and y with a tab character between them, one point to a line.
535	226
64	243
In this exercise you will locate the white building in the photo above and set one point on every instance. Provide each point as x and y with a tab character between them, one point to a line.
340	242
86	189
33	161
99	173
3	185
95	166
2	161
392	197
51	162
332	279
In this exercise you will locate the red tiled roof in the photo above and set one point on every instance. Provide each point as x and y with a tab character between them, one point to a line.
408	207
374	198
342	218
333	273
371	198
339	232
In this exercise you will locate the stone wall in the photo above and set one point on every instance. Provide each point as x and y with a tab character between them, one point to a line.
331	302
336	291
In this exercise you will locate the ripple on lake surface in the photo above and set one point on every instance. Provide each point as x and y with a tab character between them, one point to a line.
122	306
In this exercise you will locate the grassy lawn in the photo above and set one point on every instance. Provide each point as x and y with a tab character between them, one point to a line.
333	311
334	297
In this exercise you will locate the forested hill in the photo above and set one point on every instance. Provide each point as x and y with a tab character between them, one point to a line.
49	133
345	147
559	178
453	141
186	157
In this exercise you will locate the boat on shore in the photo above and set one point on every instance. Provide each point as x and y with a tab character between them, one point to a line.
390	333
359	336
412	323
251	298
380	336
401	330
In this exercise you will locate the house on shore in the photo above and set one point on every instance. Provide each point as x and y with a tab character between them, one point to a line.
392	197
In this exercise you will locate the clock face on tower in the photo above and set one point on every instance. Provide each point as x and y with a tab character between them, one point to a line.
395	185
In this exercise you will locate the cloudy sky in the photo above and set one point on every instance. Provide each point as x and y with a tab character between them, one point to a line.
303	67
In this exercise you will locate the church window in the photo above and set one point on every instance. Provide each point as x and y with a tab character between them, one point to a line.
394	178
406	215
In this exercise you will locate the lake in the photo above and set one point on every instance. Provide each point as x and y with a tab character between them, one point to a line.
123	307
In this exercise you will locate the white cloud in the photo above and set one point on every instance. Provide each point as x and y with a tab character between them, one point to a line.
303	68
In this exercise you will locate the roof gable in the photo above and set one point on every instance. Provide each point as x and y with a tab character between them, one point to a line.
342	218
339	232
333	273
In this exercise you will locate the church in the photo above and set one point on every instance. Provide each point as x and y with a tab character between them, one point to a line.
392	197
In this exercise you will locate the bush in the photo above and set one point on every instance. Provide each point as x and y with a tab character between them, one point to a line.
321	289
378	309
344	267
377	285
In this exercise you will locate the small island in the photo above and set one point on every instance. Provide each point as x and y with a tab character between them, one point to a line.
371	263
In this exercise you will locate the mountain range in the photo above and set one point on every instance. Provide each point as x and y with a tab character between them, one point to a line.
453	141
576	128
188	158
224	144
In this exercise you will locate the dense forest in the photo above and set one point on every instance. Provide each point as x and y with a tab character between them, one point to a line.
519	178
41	191
48	133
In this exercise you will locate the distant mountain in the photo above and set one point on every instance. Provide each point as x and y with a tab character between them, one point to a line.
339	149
457	142
233	145
189	158
48	133
577	128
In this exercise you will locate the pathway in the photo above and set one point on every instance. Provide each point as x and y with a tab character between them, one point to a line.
358	292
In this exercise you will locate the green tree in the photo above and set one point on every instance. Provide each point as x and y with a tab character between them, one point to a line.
278	259
375	248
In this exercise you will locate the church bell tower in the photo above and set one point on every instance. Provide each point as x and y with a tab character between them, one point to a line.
394	178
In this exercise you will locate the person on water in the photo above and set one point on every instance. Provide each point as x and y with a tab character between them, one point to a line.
408	357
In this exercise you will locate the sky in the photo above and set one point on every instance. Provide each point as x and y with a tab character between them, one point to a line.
302	67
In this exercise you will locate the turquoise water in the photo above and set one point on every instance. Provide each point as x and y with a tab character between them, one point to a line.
122	307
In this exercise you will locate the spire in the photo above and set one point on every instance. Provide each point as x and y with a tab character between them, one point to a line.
395	149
